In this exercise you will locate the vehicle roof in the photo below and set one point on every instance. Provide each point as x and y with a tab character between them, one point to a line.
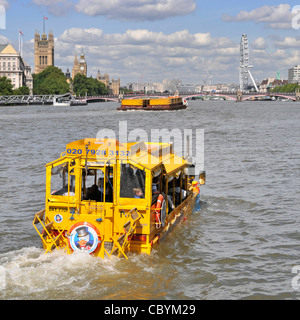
146	154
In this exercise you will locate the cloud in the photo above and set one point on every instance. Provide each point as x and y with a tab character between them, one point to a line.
82	36
276	17
157	55
136	10
259	43
55	7
139	37
3	40
125	10
4	3
287	42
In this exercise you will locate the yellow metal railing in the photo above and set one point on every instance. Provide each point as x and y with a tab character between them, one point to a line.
121	241
48	240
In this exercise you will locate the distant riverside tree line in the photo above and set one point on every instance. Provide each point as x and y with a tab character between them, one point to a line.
290	87
53	81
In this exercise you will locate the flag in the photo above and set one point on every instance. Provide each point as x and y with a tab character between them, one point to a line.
21	33
45	18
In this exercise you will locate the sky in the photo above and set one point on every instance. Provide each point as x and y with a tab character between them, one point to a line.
153	40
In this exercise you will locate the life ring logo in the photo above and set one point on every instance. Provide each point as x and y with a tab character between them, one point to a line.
84	237
58	218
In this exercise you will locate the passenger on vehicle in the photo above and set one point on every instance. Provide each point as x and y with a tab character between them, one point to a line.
155	186
138	193
71	194
93	193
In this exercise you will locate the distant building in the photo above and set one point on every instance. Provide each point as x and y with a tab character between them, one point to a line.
146	87
43	51
184	88
113	86
13	67
268	84
103	78
68	76
294	74
80	66
210	87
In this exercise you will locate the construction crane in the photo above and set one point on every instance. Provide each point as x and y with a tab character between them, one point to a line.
209	77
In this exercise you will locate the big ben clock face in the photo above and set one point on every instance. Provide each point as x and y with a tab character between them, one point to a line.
81	68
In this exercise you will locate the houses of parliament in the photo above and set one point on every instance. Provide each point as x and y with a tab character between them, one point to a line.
44	57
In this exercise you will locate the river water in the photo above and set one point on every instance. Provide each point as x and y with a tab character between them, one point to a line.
243	244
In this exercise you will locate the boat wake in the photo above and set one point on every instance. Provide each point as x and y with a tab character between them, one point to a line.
29	273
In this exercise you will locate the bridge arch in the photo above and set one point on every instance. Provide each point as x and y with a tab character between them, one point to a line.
103	98
269	95
210	94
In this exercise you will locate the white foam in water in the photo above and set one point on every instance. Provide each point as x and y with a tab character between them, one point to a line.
2	278
29	273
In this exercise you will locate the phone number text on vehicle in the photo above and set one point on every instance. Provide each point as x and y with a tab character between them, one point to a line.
99	152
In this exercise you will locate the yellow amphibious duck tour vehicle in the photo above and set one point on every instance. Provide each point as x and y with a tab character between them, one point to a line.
108	198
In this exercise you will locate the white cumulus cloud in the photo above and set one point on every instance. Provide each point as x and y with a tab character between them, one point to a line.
259	43
276	17
287	42
136	10
157	55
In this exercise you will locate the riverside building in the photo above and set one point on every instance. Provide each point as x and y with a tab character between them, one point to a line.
13	67
294	74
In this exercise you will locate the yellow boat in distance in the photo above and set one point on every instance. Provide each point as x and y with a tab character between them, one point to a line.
109	198
160	104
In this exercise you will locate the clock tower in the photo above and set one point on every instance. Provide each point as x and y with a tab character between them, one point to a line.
80	65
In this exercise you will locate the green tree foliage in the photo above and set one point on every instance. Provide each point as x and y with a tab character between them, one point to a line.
6	88
50	81
290	87
90	86
22	91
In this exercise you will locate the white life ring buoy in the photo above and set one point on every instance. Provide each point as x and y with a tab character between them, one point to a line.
84	236
160	212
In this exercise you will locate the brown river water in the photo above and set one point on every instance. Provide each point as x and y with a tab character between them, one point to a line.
244	243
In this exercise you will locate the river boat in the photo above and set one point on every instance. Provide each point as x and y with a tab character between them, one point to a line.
62	100
66	100
109	198
159	104
78	102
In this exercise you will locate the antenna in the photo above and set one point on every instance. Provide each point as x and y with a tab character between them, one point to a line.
44	18
21	43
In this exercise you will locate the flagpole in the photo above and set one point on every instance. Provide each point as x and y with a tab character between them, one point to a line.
44	24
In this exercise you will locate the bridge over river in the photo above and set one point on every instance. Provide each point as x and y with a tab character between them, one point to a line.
236	96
